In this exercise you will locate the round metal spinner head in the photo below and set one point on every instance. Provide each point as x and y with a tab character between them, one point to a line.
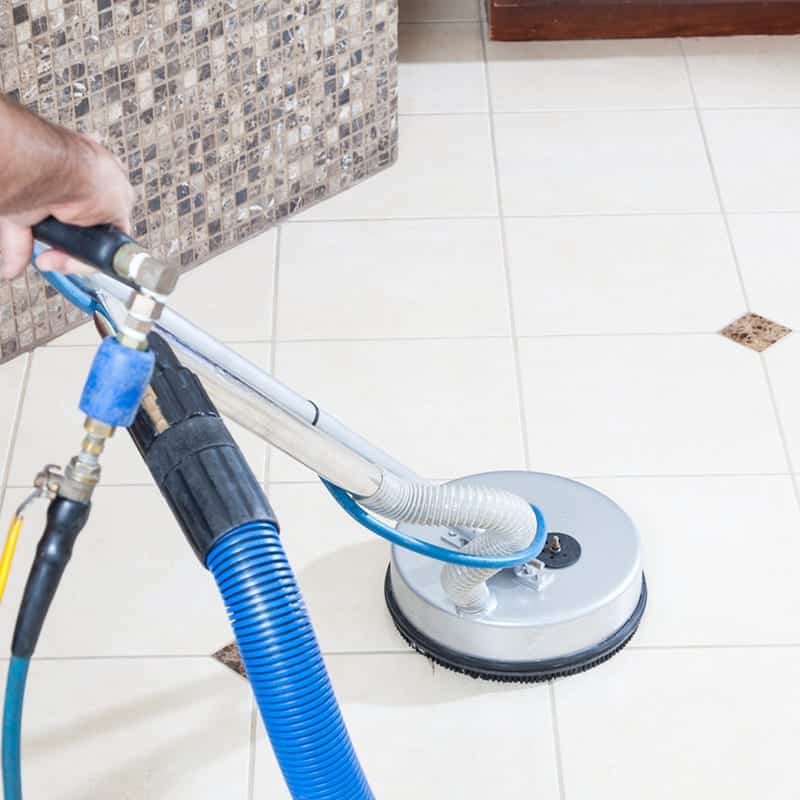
545	621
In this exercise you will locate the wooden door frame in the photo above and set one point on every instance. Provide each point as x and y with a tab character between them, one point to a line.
512	20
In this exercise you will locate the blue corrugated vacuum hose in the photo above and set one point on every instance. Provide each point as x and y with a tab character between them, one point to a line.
285	666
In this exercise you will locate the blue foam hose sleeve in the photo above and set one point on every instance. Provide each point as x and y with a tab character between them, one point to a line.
285	666
116	383
12	727
434	551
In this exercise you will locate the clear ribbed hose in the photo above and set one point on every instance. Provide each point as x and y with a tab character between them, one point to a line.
507	524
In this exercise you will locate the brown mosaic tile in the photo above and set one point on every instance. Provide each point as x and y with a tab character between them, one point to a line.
756	332
230	114
230	657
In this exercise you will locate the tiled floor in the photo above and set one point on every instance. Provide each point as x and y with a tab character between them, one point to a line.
540	282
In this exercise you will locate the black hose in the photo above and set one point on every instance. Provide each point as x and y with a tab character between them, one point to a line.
65	520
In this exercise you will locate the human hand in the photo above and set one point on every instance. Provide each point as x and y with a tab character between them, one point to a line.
88	187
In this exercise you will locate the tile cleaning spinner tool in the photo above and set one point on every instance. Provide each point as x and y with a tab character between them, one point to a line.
476	580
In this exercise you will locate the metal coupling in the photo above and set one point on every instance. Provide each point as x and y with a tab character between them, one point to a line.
80	478
96	435
83	471
48	481
137	265
143	310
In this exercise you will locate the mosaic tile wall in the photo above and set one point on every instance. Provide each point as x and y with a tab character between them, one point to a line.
229	114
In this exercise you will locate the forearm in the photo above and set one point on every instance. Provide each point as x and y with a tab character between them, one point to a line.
37	159
47	170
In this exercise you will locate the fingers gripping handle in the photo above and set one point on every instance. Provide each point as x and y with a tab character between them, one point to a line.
96	245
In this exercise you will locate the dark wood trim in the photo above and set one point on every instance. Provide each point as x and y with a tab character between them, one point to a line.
630	19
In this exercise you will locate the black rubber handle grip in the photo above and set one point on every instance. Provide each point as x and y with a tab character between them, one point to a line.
96	245
65	520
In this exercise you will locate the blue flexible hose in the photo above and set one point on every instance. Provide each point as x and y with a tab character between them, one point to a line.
285	666
424	548
71	290
12	727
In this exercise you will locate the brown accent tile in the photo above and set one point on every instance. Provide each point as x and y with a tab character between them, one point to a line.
756	332
230	657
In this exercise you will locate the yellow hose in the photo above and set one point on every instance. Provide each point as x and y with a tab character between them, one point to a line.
8	552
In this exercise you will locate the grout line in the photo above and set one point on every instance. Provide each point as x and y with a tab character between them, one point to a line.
408	653
228	342
557	740
790	212
345	340
609	476
484	113
251	765
103	485
405	651
560	215
623	214
15	425
271	484
129	657
679	647
438	21
597	110
747	108
684	475
714	177
616	334
556	110
526	450
273	331
740	275
779	422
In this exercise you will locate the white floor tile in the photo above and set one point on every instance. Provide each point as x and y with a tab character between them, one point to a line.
602	162
642	274
133	587
783	360
532	76
441	68
666	724
702	539
51	426
444	170
439	10
444	407
756	155
768	249
392	279
413	727
740	71
137	729
648	405
231	295
340	568
11	375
